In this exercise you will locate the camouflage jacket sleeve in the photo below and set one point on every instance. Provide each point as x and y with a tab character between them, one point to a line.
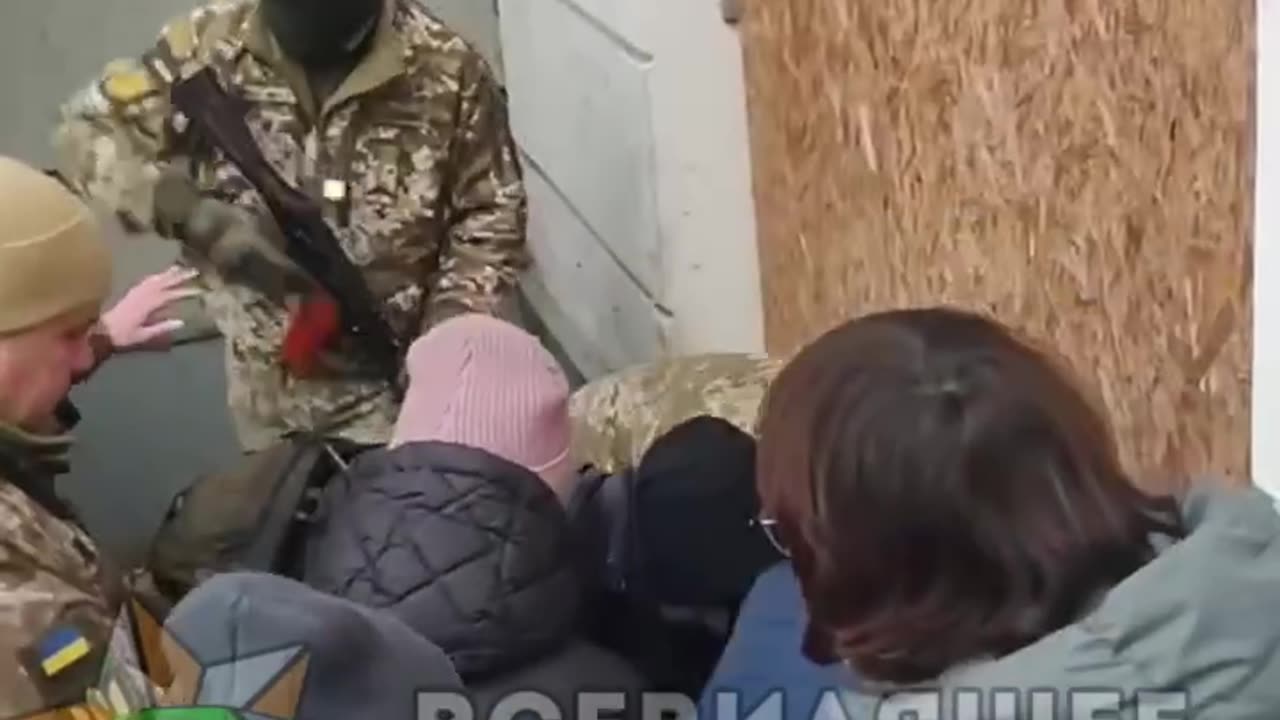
44	585
616	418
485	250
114	132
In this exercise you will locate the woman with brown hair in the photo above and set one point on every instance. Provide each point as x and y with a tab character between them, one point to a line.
958	519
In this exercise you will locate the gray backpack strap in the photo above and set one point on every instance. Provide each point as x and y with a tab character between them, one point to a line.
302	480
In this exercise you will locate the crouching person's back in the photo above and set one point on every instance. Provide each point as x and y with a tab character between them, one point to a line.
458	526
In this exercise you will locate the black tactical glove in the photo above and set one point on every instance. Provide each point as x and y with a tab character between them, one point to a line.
242	247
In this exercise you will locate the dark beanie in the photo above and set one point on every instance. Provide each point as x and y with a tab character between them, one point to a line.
696	506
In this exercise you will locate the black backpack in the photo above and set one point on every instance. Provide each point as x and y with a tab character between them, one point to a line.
248	517
670	548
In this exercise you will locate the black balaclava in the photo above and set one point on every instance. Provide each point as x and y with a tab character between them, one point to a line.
320	34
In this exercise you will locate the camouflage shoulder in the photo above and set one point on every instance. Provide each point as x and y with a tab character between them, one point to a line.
30	534
432	43
423	29
679	376
616	418
727	386
18	516
192	40
185	41
732	387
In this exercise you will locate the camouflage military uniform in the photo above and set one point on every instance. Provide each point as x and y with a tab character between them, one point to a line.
50	576
616	418
410	158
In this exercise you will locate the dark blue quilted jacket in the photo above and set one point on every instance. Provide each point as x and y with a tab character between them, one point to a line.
468	549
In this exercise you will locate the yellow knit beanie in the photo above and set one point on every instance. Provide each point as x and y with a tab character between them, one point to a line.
53	261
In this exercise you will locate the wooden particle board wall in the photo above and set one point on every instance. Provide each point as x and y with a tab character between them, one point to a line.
1082	169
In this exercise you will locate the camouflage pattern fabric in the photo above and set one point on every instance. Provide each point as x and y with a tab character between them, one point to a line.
616	418
50	576
411	159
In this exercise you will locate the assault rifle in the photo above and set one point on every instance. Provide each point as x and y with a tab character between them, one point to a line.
309	241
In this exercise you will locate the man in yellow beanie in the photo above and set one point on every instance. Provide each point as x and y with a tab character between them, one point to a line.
57	599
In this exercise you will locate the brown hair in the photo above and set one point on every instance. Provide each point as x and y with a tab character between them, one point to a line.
945	493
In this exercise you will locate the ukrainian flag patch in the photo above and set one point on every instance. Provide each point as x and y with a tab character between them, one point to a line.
61	648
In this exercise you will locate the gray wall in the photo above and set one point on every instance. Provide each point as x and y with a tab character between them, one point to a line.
151	422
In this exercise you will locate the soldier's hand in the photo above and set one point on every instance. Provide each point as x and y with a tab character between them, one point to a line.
243	247
249	252
185	214
216	230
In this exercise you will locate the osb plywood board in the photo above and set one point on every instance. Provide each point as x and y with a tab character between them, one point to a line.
1080	168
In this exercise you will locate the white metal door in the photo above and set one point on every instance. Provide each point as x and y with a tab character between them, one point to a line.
631	116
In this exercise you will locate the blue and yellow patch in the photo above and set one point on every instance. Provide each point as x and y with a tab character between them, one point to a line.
62	648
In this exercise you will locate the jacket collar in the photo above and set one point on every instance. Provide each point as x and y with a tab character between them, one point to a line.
30	462
37	454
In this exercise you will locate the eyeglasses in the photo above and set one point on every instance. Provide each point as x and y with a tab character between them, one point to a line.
769	527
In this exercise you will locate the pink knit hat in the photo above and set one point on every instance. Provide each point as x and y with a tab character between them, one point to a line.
478	381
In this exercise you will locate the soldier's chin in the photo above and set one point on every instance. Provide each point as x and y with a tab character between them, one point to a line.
45	424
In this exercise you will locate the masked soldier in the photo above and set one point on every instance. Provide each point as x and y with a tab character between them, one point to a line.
393	125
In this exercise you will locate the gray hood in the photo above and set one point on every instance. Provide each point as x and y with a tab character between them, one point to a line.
1202	619
246	632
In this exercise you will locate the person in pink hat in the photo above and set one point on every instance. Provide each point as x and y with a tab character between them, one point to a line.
482	382
458	526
